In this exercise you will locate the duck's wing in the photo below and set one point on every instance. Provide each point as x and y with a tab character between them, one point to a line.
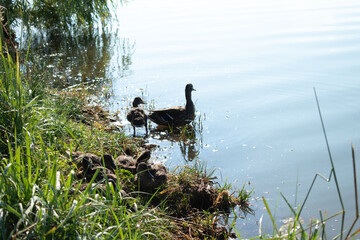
129	115
167	116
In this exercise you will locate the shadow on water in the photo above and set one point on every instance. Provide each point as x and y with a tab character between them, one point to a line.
82	59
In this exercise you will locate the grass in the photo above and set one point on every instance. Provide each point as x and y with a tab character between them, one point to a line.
41	196
38	201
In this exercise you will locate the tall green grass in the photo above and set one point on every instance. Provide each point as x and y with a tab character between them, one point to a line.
40	198
15	101
38	201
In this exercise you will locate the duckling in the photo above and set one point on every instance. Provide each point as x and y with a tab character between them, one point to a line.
176	116
150	176
129	163
137	116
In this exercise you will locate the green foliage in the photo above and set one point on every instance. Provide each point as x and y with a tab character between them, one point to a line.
40	197
38	201
57	15
16	102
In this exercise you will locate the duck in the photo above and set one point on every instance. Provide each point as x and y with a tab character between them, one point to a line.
150	176
129	163
137	116
88	164
176	116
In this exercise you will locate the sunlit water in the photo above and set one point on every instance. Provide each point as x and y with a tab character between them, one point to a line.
254	65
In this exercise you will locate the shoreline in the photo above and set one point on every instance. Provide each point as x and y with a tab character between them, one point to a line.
66	153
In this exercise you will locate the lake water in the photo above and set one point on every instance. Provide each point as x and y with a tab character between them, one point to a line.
254	65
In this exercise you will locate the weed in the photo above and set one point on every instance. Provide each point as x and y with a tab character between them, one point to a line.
295	228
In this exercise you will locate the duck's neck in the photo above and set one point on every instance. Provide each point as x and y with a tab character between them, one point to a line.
188	98
188	95
190	108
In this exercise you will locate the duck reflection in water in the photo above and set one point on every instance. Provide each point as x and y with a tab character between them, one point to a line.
185	136
188	150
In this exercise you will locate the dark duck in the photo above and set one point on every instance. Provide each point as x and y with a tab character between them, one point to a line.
176	116
137	116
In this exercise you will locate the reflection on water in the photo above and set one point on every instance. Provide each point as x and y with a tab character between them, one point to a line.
188	150
188	138
83	58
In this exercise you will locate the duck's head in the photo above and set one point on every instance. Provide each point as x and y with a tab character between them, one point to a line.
189	87
137	101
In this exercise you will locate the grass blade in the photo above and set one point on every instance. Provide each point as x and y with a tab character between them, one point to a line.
271	216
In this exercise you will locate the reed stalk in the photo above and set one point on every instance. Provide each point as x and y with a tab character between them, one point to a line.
316	233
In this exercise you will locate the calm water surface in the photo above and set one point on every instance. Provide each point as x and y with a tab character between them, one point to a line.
254	65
